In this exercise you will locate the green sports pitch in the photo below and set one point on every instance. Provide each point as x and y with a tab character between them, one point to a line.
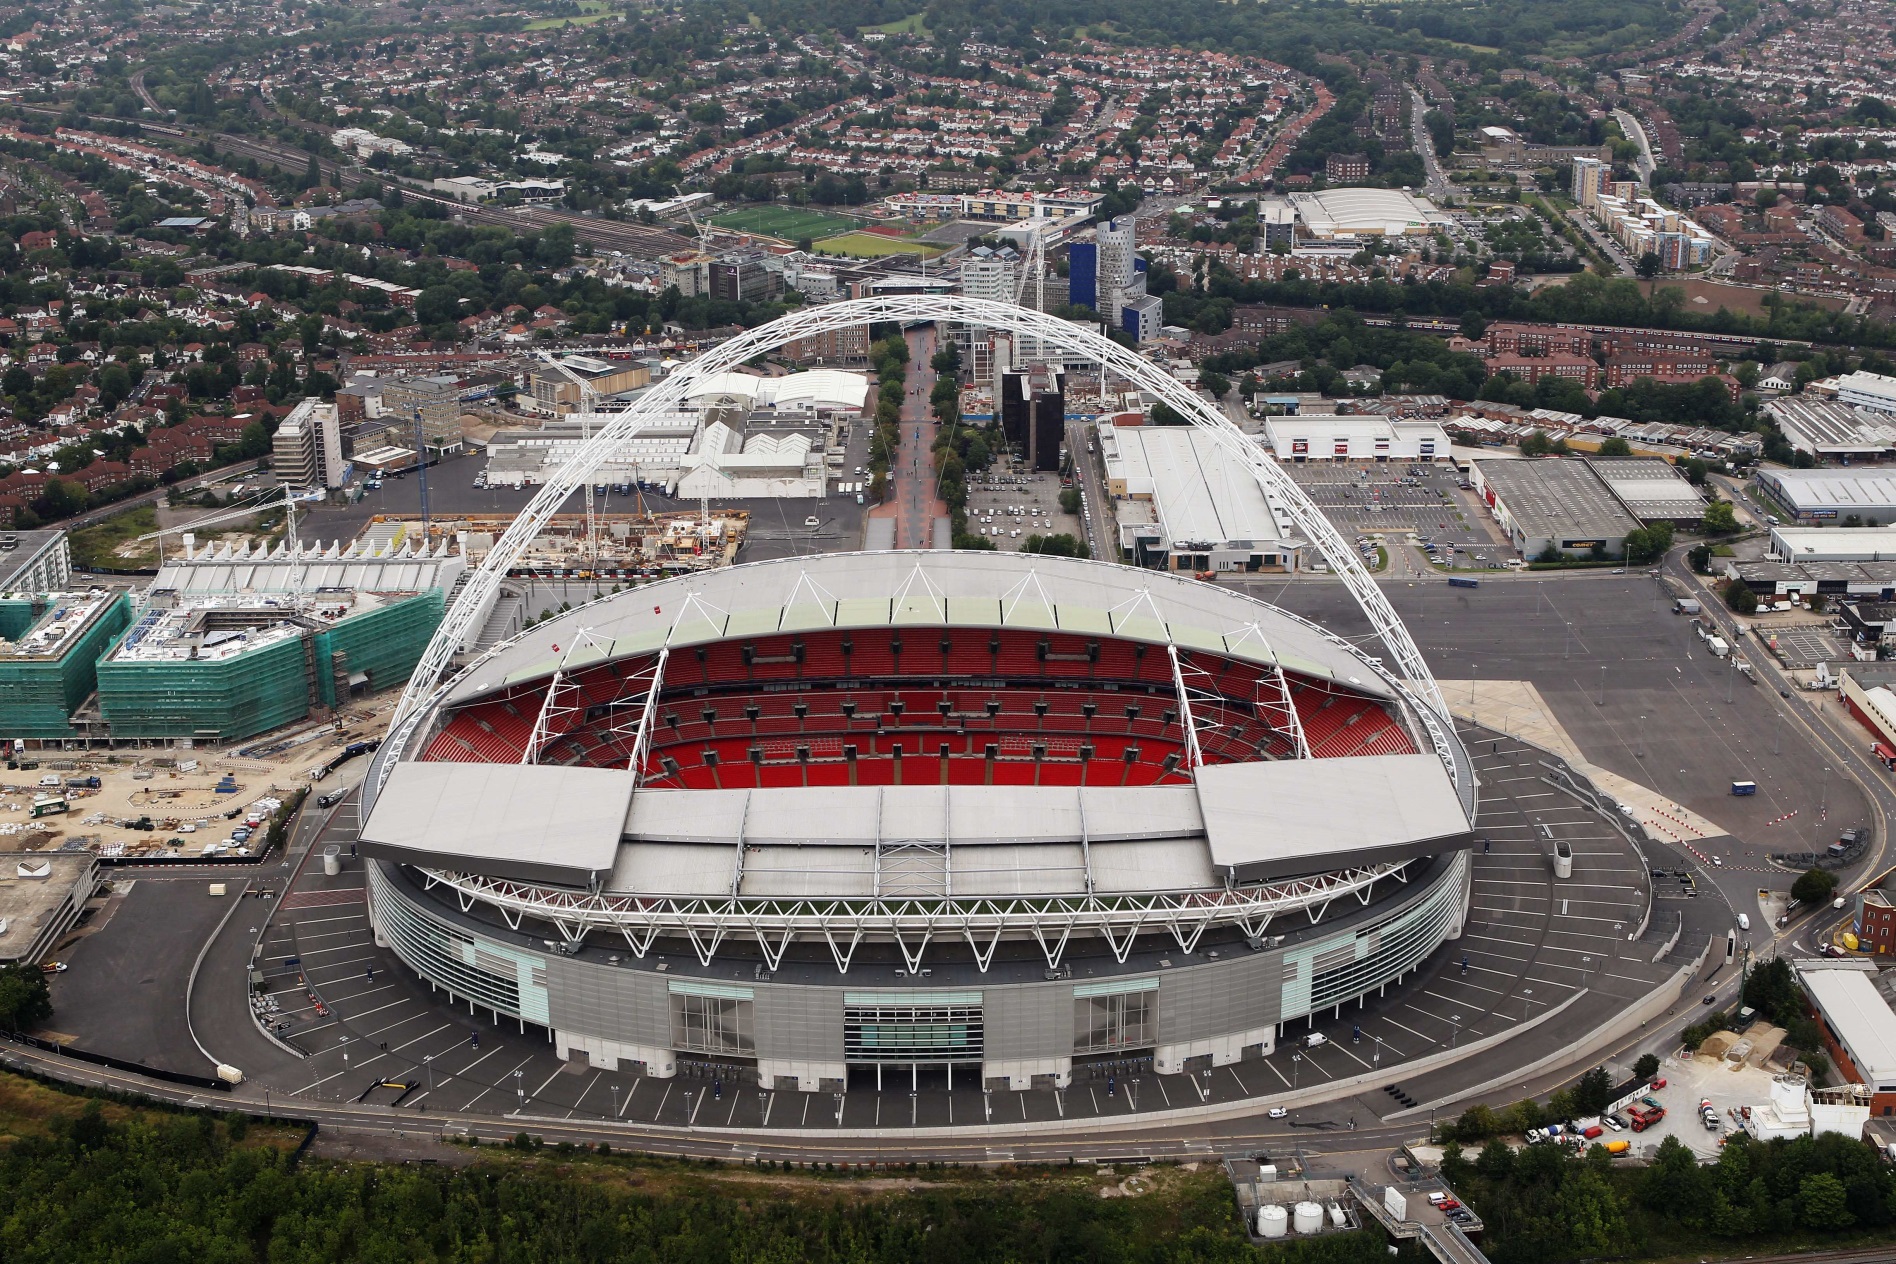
791	223
874	246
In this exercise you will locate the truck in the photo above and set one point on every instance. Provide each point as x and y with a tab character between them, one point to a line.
82	783
1685	605
1718	646
1744	787
1642	1116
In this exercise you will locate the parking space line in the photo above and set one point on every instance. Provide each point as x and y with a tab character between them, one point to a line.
491	1087
1412	1031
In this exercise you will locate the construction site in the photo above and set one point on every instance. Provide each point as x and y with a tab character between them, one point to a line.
618	546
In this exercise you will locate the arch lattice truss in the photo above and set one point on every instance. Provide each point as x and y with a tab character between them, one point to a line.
669	395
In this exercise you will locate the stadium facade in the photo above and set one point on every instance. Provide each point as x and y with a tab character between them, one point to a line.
972	816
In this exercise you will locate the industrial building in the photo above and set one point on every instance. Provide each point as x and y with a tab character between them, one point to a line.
1651	490
833	758
741	436
1864	581
1858	1027
218	668
1831	430
1553	504
49	656
1184	504
1301	437
1829	495
1837	544
1876	391
35	561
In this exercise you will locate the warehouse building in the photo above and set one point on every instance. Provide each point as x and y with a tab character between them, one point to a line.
1185	504
1844	544
222	667
48	658
1833	495
1834	430
1553	504
1304	437
1651	490
1858	1026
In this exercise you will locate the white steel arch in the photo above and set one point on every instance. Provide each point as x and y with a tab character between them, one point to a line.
828	317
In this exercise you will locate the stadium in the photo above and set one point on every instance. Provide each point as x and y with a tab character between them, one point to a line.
944	815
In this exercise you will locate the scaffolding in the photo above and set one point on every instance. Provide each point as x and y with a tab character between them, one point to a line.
288	664
376	649
40	691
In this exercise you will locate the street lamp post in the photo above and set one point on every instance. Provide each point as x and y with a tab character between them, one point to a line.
1639	739
520	1091
1376	1058
1602	701
427	1064
614	1088
1296	1064
1456	1033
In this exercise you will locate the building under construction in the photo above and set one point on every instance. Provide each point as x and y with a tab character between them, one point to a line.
49	651
221	667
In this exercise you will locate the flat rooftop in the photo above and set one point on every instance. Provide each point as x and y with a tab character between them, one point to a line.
1858	1014
1846	491
1557	499
64	619
216	628
1648	487
37	889
1203	493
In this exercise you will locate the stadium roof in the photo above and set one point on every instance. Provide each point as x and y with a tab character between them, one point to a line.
937	588
574	826
1388	212
538	822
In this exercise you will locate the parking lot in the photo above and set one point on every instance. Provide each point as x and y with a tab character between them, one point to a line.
1396	500
1010	503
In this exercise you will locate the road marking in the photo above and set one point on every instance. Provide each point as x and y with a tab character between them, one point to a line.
1412	1031
491	1087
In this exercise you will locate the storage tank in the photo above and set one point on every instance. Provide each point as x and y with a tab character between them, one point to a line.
1272	1221
1306	1217
1336	1216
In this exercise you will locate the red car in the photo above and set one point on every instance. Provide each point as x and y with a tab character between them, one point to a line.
1447	1204
1659	1083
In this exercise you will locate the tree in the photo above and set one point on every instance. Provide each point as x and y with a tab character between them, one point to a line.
1814	886
1741	599
1646	1066
1216	385
1062	545
1473	326
1616	446
1823	1203
1700	557
1719	518
1070	500
1163	414
25	1000
1649	265
1593	1091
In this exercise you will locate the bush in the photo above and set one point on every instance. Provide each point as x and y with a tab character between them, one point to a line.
25	1000
1741	599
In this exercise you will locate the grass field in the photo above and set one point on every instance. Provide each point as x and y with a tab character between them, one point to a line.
910	25
590	11
99	545
788	222
872	246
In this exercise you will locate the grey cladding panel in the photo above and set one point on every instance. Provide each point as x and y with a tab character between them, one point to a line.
1205	1001
1028	1021
799	1022
630	1006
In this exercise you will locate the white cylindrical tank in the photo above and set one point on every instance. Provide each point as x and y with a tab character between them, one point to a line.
1272	1221
1306	1218
332	860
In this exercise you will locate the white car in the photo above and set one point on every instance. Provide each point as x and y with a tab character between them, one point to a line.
1278	1112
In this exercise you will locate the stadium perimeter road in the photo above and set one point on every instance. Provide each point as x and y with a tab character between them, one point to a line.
1664	722
1531	945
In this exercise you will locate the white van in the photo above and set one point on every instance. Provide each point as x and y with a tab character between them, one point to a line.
1744	921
